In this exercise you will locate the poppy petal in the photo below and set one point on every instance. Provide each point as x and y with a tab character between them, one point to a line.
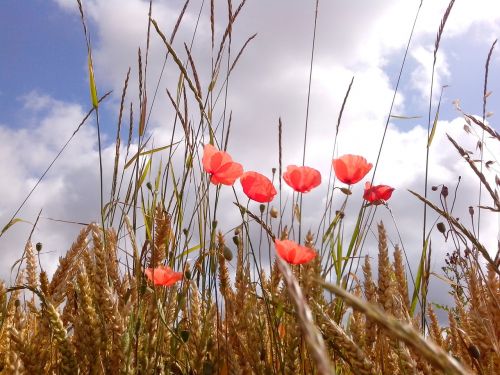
302	179
293	253
163	275
220	165
377	194
351	169
257	187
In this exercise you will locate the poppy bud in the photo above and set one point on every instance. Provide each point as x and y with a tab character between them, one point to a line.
187	274
228	254
273	170
149	186
214	224
185	231
236	240
262	208
38	246
441	227
274	213
444	191
471	211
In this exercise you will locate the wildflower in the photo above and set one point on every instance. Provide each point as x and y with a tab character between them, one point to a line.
377	194
163	275
220	165
293	253
351	168
302	179
257	187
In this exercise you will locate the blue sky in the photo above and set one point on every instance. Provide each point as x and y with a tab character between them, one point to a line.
44	93
42	49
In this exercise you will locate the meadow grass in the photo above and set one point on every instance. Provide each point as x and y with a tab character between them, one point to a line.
231	313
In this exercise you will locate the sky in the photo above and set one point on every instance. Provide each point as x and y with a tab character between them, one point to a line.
44	95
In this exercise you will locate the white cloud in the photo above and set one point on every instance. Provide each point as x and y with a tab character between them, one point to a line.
422	74
68	192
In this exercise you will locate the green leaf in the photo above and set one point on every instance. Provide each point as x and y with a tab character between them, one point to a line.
11	223
436	117
93	89
405	117
353	240
434	126
188	251
142	153
418	278
143	175
332	225
338	264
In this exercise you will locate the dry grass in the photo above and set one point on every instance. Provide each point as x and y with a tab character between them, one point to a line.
98	321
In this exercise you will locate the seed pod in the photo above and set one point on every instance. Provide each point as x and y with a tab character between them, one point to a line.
346	191
340	213
38	246
236	240
471	211
274	213
474	351
444	191
262	208
441	227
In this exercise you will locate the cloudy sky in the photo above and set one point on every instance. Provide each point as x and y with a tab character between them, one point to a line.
44	95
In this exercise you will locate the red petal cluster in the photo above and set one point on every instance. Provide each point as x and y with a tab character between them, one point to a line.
293	253
377	194
351	168
302	179
220	165
163	275
257	187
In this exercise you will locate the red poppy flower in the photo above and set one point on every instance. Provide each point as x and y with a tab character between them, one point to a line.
163	275
257	187
302	179
351	168
220	165
293	253
377	194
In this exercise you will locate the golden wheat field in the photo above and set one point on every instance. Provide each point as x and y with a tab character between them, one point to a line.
158	284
